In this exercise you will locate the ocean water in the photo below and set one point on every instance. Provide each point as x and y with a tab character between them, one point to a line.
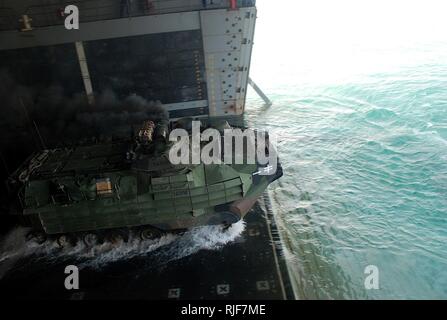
363	143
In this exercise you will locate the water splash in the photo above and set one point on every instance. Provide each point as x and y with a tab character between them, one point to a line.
14	247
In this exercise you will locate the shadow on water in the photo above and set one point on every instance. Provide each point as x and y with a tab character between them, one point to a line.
312	265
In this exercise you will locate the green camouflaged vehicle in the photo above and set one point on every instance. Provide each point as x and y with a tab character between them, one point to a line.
98	192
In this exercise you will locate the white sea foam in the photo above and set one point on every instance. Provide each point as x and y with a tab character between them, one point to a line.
172	247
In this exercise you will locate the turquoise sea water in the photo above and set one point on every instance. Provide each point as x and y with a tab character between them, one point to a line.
365	161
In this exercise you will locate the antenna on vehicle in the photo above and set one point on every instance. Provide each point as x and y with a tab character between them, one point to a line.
36	128
5	164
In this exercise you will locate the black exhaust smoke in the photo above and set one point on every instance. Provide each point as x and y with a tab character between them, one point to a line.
37	117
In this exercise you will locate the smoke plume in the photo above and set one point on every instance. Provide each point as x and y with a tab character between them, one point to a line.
33	117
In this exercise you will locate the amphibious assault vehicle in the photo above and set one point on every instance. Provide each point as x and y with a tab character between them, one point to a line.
102	191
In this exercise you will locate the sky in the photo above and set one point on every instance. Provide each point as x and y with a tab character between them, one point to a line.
328	39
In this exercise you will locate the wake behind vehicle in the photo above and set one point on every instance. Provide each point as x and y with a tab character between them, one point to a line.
102	191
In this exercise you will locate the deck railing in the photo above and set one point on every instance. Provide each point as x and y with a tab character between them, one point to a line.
44	15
